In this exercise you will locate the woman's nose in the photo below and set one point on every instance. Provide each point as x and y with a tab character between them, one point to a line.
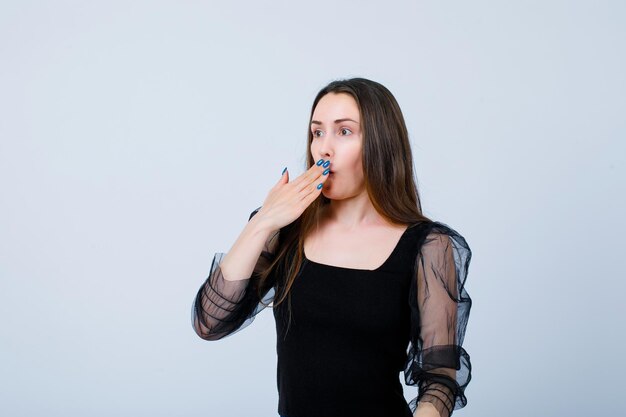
326	148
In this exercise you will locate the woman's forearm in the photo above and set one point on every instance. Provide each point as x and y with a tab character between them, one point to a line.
426	409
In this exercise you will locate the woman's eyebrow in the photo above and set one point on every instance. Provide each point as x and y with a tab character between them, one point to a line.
336	121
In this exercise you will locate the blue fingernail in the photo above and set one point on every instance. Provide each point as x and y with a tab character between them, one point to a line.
320	162
326	164
284	171
326	171
319	186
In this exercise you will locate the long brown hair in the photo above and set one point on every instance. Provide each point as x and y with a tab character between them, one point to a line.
387	168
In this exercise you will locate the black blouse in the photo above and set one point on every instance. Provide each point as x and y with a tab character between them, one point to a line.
342	349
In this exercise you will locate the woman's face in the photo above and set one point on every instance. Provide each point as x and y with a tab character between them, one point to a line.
337	138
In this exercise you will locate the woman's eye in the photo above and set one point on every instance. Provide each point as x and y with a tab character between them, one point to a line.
315	132
344	129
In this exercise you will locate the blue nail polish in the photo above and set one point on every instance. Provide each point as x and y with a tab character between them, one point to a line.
319	185
284	171
326	164
320	162
326	171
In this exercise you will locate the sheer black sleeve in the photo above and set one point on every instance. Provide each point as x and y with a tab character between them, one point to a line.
221	307
440	306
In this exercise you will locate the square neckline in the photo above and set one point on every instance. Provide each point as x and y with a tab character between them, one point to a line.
345	268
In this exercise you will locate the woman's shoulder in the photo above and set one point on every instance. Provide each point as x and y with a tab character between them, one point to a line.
434	226
432	232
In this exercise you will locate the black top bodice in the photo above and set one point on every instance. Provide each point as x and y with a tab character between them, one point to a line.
342	353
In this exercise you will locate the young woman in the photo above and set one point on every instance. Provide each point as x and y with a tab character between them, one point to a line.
372	286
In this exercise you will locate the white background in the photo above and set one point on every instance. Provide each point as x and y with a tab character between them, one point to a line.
137	137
